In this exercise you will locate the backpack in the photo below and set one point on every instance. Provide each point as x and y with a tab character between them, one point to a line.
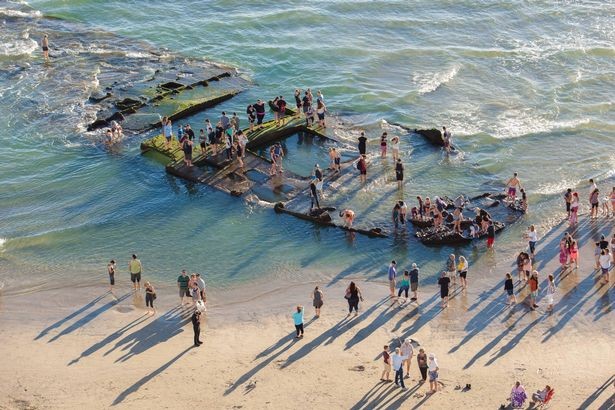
359	165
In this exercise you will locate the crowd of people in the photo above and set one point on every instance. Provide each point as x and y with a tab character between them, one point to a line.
227	137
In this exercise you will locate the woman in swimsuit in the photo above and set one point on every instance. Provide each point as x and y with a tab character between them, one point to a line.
337	160
383	145
399	173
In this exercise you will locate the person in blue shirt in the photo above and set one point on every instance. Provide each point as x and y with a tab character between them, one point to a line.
298	319
392	275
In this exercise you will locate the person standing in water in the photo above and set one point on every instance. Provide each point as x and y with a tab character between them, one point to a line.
444	282
509	288
462	270
446	137
568	201
392	274
362	167
45	46
317	300
574	209
450	268
395	147
150	295
513	184
111	272
490	235
135	268
414	282
383	145
362	144
399	173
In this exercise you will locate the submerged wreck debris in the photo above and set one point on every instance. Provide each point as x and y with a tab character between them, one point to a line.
445	235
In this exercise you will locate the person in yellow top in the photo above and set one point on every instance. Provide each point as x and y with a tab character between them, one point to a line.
135	267
462	270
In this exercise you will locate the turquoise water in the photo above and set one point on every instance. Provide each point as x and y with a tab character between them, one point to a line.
524	87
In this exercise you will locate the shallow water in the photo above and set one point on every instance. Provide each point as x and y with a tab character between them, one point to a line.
524	87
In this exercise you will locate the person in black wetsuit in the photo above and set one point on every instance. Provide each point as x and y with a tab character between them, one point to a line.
314	193
187	148
196	326
362	143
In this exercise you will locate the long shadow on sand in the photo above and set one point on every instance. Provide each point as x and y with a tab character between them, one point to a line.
158	331
76	313
113	336
283	344
594	396
136	386
571	303
89	317
330	335
389	397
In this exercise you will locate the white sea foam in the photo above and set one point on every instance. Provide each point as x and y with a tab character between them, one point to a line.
429	82
18	13
517	123
17	46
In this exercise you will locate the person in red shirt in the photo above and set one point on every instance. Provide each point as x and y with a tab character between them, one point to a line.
387	365
533	290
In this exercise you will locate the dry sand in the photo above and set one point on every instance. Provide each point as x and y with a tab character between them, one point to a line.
79	348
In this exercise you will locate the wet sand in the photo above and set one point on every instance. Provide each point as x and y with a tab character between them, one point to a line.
81	348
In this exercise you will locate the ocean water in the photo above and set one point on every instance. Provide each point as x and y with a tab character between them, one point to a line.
523	86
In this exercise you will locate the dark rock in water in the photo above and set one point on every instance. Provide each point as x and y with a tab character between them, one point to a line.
498	196
278	207
97	124
484	195
433	135
494	204
118	116
171	85
236	193
96	98
128	103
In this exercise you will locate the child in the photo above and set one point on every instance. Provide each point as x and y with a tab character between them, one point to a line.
509	288
574	254
386	356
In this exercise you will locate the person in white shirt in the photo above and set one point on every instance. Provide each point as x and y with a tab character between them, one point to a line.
408	351
532	237
432	371
605	264
397	359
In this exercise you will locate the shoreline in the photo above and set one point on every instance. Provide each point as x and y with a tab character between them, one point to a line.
82	339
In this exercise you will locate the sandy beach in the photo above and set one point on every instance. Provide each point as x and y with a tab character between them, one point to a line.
82	348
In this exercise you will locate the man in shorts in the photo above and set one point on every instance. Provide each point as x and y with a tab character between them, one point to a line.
513	184
392	275
568	200
414	282
386	372
201	284
182	283
135	268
